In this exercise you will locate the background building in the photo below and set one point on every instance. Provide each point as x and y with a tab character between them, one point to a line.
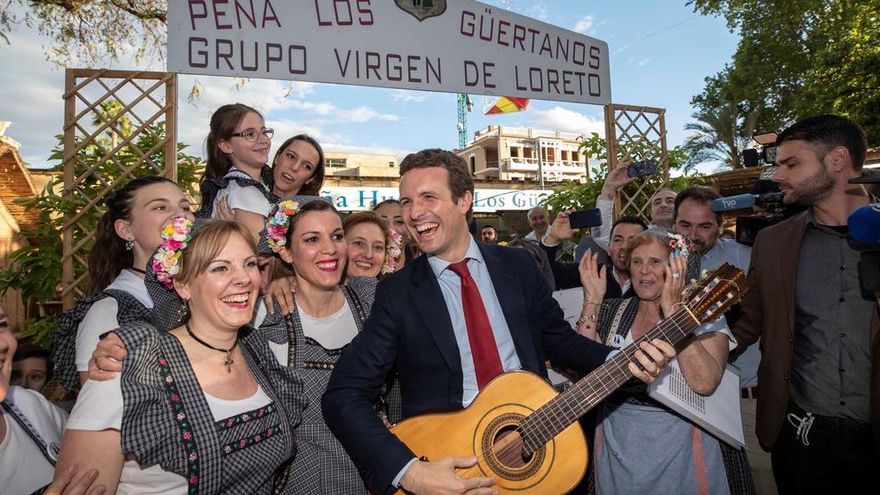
518	153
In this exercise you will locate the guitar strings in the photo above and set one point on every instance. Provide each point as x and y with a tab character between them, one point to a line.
628	352
675	319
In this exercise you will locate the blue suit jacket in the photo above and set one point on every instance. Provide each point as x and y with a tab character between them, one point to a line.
409	328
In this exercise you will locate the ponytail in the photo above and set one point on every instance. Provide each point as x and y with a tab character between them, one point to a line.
109	256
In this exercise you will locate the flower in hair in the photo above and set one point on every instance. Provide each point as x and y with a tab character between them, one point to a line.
392	251
278	222
678	244
166	262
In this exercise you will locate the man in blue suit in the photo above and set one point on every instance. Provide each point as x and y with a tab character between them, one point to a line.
423	324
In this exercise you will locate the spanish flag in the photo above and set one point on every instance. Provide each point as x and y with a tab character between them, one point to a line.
509	104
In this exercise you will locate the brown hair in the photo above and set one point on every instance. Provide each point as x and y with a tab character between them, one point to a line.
312	187
825	132
365	217
206	244
311	206
700	194
460	180
108	255
223	123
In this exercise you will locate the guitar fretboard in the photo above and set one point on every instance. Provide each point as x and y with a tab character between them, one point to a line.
564	409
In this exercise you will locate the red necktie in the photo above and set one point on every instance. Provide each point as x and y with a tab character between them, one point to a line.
487	362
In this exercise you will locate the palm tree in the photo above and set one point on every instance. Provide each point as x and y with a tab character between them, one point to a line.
719	134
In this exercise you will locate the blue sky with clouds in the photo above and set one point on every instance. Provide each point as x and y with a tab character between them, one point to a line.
660	52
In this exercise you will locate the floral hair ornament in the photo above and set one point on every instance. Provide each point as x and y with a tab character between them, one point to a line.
278	223
166	262
679	245
392	251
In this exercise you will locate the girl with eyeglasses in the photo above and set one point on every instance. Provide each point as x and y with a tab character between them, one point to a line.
236	172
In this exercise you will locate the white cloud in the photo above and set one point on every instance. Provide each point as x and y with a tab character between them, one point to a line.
563	119
33	90
584	24
404	96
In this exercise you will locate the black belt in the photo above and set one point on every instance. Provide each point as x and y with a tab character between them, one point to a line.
749	392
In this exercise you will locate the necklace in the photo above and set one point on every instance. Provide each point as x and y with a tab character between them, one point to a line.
228	361
142	272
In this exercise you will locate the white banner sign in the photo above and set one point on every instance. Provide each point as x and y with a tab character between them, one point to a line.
456	46
485	200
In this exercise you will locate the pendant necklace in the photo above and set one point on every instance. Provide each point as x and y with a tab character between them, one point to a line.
228	361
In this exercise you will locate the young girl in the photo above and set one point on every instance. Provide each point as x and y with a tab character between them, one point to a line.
236	172
125	238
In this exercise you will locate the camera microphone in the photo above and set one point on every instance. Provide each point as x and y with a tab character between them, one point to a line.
864	224
741	201
729	203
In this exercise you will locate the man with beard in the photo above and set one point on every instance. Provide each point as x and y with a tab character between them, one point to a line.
820	380
567	275
489	234
695	220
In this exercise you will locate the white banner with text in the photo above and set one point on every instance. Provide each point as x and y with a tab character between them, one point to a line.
457	46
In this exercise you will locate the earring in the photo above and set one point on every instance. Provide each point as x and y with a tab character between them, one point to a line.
129	245
183	310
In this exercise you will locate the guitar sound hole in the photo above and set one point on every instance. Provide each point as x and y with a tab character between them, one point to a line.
508	448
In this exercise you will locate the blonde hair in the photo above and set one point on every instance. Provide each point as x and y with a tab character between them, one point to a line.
206	244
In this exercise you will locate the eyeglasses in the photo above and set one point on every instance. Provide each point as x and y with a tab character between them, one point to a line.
253	134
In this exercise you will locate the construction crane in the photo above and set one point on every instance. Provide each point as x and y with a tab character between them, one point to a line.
465	105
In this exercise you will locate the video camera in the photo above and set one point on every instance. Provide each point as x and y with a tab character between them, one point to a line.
767	199
765	155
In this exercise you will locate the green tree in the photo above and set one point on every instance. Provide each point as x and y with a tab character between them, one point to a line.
719	133
35	268
580	196
798	58
93	32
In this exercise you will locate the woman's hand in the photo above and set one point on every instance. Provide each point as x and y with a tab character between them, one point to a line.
107	359
224	212
283	291
673	285
592	277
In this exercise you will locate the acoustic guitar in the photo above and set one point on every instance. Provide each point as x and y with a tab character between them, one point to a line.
524	434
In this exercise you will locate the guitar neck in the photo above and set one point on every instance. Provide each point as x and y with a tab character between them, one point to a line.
563	410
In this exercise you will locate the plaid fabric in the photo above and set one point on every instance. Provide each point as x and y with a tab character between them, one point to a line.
168	310
321	464
210	188
166	419
64	345
739	473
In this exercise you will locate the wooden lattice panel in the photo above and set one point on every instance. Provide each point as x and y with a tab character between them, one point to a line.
117	125
635	133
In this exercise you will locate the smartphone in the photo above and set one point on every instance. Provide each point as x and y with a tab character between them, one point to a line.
585	218
642	167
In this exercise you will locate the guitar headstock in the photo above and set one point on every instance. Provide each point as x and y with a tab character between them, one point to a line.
716	292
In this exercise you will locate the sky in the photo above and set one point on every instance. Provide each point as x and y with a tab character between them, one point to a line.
660	53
